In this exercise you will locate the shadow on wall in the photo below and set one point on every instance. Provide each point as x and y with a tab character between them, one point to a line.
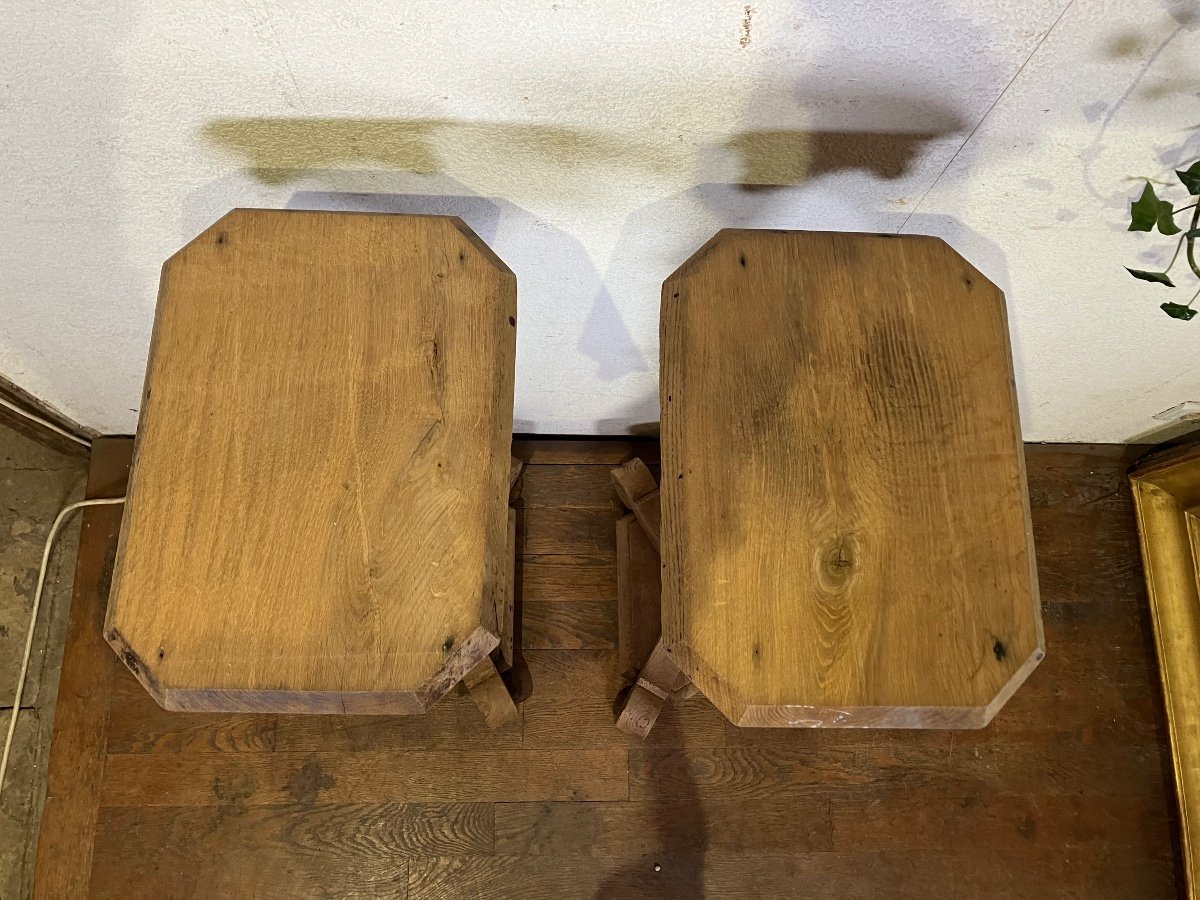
752	177
638	417
986	256
1149	45
779	158
878	132
728	205
480	213
521	240
280	151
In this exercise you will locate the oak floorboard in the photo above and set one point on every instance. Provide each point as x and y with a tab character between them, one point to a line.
1066	794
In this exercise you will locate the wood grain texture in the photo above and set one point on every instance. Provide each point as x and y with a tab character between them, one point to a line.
686	691
491	695
632	830
568	578
568	487
966	823
137	724
514	475
33	430
572	706
585	625
81	722
846	534
351	850
569	531
322	466
1082	557
811	875
452	724
507	610
638	490
1066	794
264	779
639	579
1166	494
639	710
751	773
585	451
657	679
657	682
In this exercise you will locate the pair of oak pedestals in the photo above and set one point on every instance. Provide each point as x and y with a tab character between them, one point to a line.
318	518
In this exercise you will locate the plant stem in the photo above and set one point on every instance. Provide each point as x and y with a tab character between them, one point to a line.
1193	300
1191	241
1182	208
1175	255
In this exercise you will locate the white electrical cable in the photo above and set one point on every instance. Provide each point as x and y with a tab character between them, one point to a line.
33	617
41	583
45	423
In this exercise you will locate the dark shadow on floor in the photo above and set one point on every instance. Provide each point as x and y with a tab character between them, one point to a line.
680	835
518	678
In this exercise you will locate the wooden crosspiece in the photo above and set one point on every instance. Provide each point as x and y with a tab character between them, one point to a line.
638	490
490	694
658	679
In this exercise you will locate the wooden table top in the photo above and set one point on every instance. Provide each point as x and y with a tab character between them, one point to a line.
317	518
846	537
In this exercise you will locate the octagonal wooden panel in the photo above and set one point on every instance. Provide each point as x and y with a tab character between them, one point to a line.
846	537
317	518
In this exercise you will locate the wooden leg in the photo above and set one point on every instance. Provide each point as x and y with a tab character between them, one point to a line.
490	695
508	605
640	712
639	617
639	585
659	680
514	472
687	692
639	491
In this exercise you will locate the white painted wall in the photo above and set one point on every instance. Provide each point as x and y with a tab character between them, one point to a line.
594	145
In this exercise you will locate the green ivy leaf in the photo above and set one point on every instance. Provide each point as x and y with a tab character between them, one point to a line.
1148	212
1191	178
1178	311
1166	219
1143	212
1156	277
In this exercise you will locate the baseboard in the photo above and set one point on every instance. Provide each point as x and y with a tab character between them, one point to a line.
36	431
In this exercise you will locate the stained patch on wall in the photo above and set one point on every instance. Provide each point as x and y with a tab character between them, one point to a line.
747	24
1184	12
1170	88
1124	44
